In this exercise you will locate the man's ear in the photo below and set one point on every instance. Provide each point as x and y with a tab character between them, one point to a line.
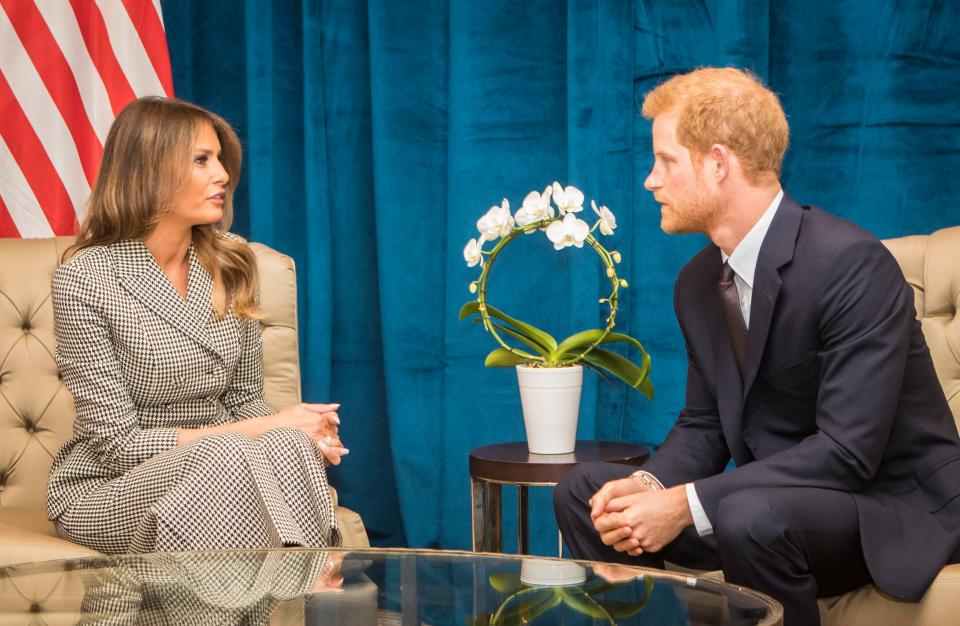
718	160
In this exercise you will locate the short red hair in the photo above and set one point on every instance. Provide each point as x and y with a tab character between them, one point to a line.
727	106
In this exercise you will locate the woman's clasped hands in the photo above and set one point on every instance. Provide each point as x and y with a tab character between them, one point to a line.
320	423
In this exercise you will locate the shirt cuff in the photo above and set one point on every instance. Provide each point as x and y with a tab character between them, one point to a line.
700	519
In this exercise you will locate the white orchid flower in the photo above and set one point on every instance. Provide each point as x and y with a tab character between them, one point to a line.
569	231
473	252
608	221
536	207
496	223
568	199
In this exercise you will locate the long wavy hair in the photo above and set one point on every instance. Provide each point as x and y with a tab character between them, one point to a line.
144	172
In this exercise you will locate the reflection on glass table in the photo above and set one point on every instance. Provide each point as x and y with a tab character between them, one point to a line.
365	587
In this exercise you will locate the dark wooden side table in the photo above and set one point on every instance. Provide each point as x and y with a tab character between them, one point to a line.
512	464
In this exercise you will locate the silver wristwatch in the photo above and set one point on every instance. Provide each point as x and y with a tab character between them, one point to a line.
647	479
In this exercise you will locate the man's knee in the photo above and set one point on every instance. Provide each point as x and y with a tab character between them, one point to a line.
572	489
747	517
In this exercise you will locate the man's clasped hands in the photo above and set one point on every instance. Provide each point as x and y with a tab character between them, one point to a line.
635	518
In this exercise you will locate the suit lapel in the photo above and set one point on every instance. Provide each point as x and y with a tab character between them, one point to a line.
143	278
775	252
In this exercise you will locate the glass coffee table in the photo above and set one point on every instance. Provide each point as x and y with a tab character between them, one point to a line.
365	587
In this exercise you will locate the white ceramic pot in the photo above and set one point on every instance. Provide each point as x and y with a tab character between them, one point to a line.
551	573
550	397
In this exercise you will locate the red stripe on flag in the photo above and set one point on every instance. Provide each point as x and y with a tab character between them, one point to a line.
145	19
58	78
94	31
36	166
7	227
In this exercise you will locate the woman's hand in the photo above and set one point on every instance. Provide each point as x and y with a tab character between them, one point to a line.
319	422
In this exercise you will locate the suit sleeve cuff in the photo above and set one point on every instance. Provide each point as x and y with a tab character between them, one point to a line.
700	519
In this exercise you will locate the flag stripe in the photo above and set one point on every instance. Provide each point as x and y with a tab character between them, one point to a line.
7	227
147	23
94	32
21	204
96	101
129	49
34	163
55	73
32	98
67	69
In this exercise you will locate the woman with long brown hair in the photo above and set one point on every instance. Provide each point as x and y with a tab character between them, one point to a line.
155	311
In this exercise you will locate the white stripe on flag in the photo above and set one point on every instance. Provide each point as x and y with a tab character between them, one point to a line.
42	113
18	197
129	49
96	101
156	6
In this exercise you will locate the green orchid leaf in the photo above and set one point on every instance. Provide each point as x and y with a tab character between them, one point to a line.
530	610
468	309
598	371
524	610
581	602
646	388
623	368
524	339
505	582
501	357
545	339
588	337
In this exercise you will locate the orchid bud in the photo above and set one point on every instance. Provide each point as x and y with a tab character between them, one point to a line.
473	287
610	272
623	283
616	256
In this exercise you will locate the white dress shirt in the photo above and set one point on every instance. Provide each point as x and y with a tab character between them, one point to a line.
743	262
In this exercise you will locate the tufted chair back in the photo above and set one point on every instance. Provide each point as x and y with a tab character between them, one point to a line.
931	264
36	410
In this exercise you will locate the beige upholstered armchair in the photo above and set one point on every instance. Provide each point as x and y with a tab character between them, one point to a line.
931	264
36	410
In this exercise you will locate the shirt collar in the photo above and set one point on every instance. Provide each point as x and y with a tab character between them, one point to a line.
743	261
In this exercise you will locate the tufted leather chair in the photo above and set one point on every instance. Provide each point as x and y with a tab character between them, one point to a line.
36	410
931	264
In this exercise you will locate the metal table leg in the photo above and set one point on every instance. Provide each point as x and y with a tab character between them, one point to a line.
523	528
487	520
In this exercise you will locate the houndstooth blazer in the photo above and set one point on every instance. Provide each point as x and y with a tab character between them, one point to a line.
141	362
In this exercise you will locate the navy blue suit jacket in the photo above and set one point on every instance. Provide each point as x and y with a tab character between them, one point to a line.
839	392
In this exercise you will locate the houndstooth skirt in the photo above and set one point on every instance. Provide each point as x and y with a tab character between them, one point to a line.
224	490
207	588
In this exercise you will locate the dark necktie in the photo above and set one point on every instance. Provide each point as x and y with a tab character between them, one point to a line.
737	328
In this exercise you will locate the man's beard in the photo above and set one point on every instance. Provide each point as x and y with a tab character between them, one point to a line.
694	214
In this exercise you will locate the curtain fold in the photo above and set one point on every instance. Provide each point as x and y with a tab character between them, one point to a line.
376	134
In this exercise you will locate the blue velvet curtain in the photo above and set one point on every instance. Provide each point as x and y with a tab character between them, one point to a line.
377	132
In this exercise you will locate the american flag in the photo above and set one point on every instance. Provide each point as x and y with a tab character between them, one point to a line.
67	67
